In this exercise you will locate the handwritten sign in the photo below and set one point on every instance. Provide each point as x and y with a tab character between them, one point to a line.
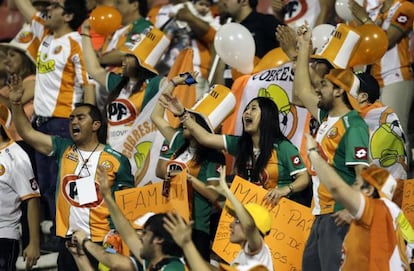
135	202
291	224
408	200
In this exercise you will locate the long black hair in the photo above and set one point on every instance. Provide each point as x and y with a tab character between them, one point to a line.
201	153
140	73
270	134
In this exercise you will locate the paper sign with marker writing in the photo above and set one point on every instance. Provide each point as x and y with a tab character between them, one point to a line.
408	200
291	224
135	202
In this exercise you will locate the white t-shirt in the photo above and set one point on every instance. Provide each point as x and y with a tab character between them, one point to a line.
264	256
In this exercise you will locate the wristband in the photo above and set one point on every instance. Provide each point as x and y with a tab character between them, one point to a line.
174	84
182	114
184	117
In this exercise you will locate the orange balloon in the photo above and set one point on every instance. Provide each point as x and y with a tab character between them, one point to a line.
372	46
273	58
104	20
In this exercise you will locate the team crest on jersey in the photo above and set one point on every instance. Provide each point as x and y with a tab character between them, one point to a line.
34	185
333	132
25	37
361	153
108	165
2	170
296	160
402	18
57	50
70	192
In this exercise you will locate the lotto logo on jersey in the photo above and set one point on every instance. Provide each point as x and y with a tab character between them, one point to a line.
33	184
402	19
361	153
295	160
165	148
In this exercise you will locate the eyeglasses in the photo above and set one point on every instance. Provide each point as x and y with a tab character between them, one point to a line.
55	5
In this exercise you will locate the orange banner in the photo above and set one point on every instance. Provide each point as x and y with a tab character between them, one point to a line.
408	200
291	224
135	202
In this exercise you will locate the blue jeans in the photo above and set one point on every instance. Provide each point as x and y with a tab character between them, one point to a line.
47	166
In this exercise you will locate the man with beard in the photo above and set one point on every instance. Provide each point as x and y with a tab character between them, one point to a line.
342	139
152	249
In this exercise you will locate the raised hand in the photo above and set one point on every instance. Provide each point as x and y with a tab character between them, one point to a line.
31	254
274	195
178	228
172	104
287	39
304	33
15	85
222	188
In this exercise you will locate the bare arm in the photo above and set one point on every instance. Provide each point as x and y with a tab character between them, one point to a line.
203	137
94	68
40	141
327	6
26	9
161	169
113	261
340	190
113	57
181	233
123	226
157	115
302	85
198	26
89	94
201	188
254	239
32	252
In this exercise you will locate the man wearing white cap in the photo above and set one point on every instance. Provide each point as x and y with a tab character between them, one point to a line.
342	138
374	240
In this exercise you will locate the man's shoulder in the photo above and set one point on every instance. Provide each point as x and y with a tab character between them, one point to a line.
174	264
354	118
108	149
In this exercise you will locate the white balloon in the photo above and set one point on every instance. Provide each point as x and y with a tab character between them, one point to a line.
321	34
343	11
235	45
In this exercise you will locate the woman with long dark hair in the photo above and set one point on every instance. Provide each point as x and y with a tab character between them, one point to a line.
263	154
